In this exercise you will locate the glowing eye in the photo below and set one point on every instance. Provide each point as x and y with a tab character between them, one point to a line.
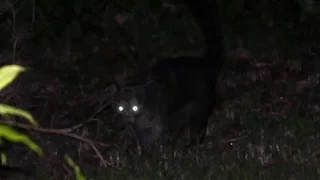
120	108
135	108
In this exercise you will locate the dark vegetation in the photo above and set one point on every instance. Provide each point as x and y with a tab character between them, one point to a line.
266	126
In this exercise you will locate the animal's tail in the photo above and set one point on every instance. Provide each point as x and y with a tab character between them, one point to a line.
207	15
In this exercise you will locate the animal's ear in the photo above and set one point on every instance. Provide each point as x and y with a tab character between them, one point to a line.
139	92
114	87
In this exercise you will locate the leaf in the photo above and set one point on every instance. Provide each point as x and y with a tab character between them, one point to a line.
8	73
14	136
9	110
3	159
76	168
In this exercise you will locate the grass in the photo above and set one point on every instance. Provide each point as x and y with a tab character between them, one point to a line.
266	127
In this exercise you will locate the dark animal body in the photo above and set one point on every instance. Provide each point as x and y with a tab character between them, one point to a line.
180	92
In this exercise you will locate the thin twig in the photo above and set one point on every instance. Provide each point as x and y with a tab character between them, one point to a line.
64	133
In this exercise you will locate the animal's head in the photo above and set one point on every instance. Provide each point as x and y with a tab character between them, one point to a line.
128	104
136	107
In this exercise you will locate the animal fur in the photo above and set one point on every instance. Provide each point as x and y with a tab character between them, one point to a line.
181	85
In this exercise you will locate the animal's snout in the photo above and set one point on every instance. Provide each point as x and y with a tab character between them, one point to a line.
129	119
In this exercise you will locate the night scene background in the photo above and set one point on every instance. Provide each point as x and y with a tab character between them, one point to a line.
265	126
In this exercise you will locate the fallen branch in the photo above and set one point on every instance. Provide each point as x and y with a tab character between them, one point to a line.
64	132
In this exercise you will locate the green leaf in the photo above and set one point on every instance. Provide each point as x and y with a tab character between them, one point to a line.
14	136
8	73
3	159
9	110
76	168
